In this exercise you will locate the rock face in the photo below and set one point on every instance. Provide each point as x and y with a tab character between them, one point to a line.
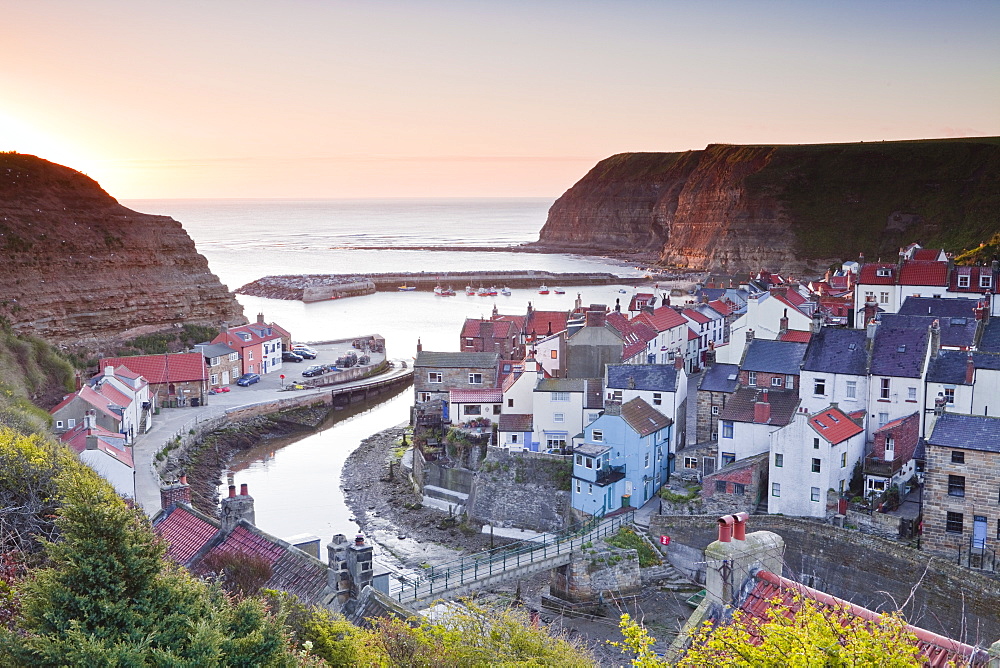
742	208
82	268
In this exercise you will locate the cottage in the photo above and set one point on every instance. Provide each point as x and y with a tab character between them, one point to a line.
435	374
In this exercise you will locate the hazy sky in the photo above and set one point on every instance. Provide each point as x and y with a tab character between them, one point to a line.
319	98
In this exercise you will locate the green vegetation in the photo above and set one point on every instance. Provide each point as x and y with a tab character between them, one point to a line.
680	497
30	369
627	539
170	341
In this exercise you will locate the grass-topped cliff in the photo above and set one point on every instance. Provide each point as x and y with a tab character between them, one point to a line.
784	207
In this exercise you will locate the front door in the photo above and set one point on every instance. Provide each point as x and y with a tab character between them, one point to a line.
225	378
979	533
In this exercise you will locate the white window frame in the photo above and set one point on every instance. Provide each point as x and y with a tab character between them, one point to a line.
819	387
752	378
597	436
558	417
558	396
475	379
814	494
435	377
852	389
776	489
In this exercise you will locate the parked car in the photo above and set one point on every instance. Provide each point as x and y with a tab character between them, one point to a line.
289	356
248	379
314	370
300	348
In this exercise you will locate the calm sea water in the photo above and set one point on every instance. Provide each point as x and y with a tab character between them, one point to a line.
296	486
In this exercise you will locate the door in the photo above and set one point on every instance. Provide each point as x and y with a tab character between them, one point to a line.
979	532
225	378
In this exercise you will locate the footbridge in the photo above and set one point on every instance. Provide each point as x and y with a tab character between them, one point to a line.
467	574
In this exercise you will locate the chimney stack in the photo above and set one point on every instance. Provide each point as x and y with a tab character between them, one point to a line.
679	360
710	354
749	335
420	346
935	335
236	508
939	404
970	369
740	526
260	318
737	556
91	442
783	323
762	409
725	528
172	494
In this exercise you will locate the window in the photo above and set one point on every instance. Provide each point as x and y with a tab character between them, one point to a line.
815	444
435	377
911	394
963	281
883	297
790	382
423	396
214	379
657	398
579	460
720	486
870	296
513	438
883	418
469	341
616	395
957	457
715	435
843	459
559	396
819	386
472	409
949	395
510	403
890	446
852	389
739	489
814	494
59	424
475	379
496	409
691	462
956	485
558	417
646	462
590	488
597	436
715	410
883	392
70	423
728	458
779	459
816	465
953	523
588	462
556	443
577	486
985	281
233	357
751	377
775	489
776	382
727	429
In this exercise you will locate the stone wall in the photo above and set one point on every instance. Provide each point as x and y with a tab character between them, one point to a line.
708	423
526	490
981	472
597	572
867	570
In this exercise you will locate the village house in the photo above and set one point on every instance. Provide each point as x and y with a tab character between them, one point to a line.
118	399
835	370
662	386
435	374
810	457
739	487
748	419
768	315
105	451
961	483
593	346
898	367
175	379
492	336
222	363
717	384
622	460
560	409
892	458
637	338
467	405
671	333
259	345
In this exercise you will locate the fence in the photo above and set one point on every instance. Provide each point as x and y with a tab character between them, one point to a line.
544	548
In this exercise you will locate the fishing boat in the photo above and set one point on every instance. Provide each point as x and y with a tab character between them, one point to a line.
505	291
448	292
470	291
492	291
483	292
406	288
559	291
544	290
438	291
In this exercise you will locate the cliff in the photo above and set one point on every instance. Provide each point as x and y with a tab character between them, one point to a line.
82	268
793	208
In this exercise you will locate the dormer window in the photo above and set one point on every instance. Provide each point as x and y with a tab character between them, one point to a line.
883	272
985	281
963	280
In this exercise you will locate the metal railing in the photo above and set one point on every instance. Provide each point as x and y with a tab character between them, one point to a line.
438	580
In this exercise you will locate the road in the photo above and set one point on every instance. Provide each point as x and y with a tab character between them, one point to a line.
171	422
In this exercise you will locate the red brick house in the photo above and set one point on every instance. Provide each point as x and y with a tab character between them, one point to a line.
259	344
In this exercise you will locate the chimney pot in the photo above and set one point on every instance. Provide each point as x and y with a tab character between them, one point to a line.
184	480
232	491
740	525
725	528
243	490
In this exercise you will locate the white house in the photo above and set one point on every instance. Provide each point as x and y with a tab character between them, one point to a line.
835	370
662	386
561	408
747	420
105	452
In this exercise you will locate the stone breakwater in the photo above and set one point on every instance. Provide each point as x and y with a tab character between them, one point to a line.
319	287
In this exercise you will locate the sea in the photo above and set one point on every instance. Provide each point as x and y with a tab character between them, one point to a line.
296	485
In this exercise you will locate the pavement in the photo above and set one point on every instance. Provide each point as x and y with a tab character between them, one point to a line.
171	422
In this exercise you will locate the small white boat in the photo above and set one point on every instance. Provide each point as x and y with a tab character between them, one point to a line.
492	292
544	290
623	291
505	291
558	291
470	291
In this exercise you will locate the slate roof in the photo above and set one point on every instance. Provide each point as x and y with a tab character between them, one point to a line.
643	418
516	422
949	366
160	369
833	425
766	356
655	377
968	432
214	349
899	351
561	385
493	395
436	360
720	378
955	332
939	307
591	449
740	406
833	350
768	588
990	341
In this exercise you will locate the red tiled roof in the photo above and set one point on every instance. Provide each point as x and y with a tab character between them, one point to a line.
114	395
108	442
771	589
662	319
484	396
834	426
868	274
538	322
473	328
517	320
721	306
975	275
185	533
697	316
795	336
516	422
180	366
919	272
740	406
92	398
926	253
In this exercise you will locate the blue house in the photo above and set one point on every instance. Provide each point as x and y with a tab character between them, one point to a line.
623	459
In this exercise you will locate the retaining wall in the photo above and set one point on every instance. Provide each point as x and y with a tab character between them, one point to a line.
867	570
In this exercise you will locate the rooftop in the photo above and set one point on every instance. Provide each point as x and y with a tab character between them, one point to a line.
833	350
436	360
740	407
720	378
643	418
899	351
968	432
764	356
834	426
655	377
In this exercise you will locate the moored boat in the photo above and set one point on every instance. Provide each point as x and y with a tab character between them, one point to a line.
544	290
483	292
559	291
407	288
505	291
469	290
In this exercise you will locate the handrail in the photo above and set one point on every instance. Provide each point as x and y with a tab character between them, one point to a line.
469	570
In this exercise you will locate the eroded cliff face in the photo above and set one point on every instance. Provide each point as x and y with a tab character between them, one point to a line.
790	208
79	268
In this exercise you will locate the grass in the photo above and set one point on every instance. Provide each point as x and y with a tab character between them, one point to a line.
627	539
674	497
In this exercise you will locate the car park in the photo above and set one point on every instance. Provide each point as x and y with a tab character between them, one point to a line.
248	379
289	356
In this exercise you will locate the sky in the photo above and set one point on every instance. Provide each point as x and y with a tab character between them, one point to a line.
426	98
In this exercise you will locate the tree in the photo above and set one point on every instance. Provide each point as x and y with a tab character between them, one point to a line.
802	632
30	468
109	597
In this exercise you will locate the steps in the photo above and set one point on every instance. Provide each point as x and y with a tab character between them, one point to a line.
667	577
